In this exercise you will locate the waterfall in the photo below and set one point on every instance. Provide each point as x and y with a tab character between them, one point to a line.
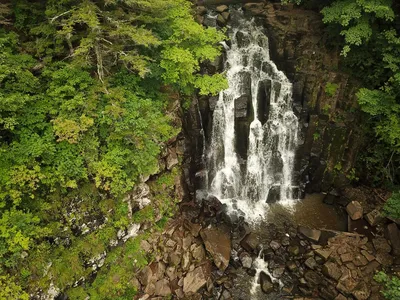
264	173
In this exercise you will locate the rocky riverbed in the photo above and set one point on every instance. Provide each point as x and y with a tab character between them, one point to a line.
205	254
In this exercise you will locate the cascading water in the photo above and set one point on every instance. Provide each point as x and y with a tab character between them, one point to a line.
265	175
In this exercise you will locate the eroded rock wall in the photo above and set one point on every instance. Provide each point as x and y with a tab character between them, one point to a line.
324	96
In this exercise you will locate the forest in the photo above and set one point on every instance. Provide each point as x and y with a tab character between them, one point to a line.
85	89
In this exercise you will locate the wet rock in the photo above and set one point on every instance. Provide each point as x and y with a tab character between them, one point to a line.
309	233
278	272
250	242
225	15
291	265
194	281
331	270
201	10
312	278
274	194
246	260
394	237
373	217
241	106
355	210
226	295
162	288
221	21
218	244
266	283
221	8
294	250
274	245
311	263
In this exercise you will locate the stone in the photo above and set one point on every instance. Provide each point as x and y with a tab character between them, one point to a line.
291	265
198	253
226	295
340	297
374	217
311	263
174	259
172	159
226	15
221	21
221	8
145	246
381	245
241	106
393	234
186	242
201	10
309	233
266	283
367	255
218	244
274	245
371	268
194	281
294	250
331	270
250	242
171	273
162	288
328	293
278	272
186	261
346	283
312	278
146	276
346	257
150	289
385	259
179	293
323	253
361	292
360	260
355	210
246	260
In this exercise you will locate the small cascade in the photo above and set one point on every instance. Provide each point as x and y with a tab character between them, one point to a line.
248	181
260	265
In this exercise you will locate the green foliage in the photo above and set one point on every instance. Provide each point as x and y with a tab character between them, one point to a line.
10	290
85	89
356	18
392	206
391	284
331	88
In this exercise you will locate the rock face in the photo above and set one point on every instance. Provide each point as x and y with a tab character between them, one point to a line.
324	98
218	244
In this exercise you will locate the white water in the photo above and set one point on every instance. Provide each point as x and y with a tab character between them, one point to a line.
242	183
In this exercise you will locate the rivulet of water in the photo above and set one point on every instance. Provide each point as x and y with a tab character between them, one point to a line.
246	184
